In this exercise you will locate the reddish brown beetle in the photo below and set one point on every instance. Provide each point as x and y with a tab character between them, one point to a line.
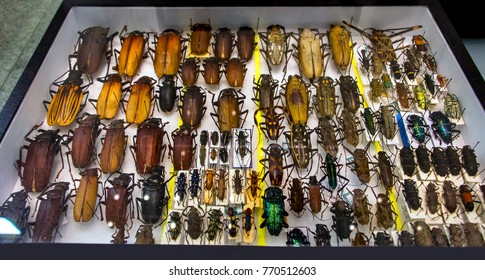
53	202
192	109
275	155
184	148
209	186
245	42
86	195
235	70
223	43
212	70
118	198
315	195
148	145
114	144
229	109
35	172
132	52
84	140
200	39
168	52
189	71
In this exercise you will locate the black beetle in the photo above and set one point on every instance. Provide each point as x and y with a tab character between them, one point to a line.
449	196
454	163
440	162
469	160
16	210
321	235
406	239
296	237
408	163
423	158
343	219
167	94
411	195
383	239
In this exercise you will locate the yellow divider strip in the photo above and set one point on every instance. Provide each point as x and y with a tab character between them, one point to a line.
261	141
377	145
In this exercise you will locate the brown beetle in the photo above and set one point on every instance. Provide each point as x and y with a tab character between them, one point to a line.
297	100
315	195
189	71
139	104
114	144
212	70
148	145
84	140
132	52
245	42
223	43
86	195
361	206
35	172
184	148
168	52
253	190
118	198
53	202
209	186
200	39
119	236
274	156
144	235
110	96
192	109
384	213
222	179
235	70
229	109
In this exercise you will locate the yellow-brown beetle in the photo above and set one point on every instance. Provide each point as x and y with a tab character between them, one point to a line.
200	39
66	99
110	96
132	52
309	53
114	144
296	94
168	52
86	195
139	104
235	70
339	39
229	106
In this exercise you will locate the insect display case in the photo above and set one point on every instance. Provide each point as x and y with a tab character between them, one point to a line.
316	147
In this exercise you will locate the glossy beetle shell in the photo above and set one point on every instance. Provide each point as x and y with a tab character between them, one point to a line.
235	72
168	53
139	104
149	145
86	196
110	96
92	48
131	53
113	150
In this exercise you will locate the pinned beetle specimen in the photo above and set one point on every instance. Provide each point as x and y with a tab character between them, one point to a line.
440	161
153	202
189	71
168	52
17	210
418	128
421	97
295	237
382	239
67	96
403	94
370	122
408	164
35	171
339	39
148	148
110	96
132	52
474	238
223	44
83	140
343	219
420	43
423	158
432	200
114	145
232	221
275	155
118	198
449	196
300	145
215	226
253	190
296	197
209	188
235	70
144	235
275	46
297	100
245	42
350	93
91	47
174	225
200	39
237	183
192	109
212	70
439	237
331	169
411	194
193	223
360	240
139	105
469	160
456	235
315	195
360	164
422	234
229	106
274	214
222	179
385	213
86	195
327	130
466	196
385	170
265	92
453	159
406	239
53	203
184	148
326	100
361	206
349	123
387	121
443	128
452	107
310	52
167	94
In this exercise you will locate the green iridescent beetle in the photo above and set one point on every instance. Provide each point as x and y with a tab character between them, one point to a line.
274	211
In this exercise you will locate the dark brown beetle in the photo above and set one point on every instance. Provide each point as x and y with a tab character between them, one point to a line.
423	158
148	149
384	213
422	234
144	235
212	70
184	148
403	93
473	236
84	140
192	109
349	123
408	164
245	42
265	91
411	194
222	179
439	237
361	206
385	170
361	164
274	156
35	172
189	71
229	109
53	202
469	160
454	163
299	144
296	197
92	47
327	129
456	235
350	93
114	144
432	198
200	39
266	97
223	44
235	70
118	198
360	239
237	182
449	196
466	196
